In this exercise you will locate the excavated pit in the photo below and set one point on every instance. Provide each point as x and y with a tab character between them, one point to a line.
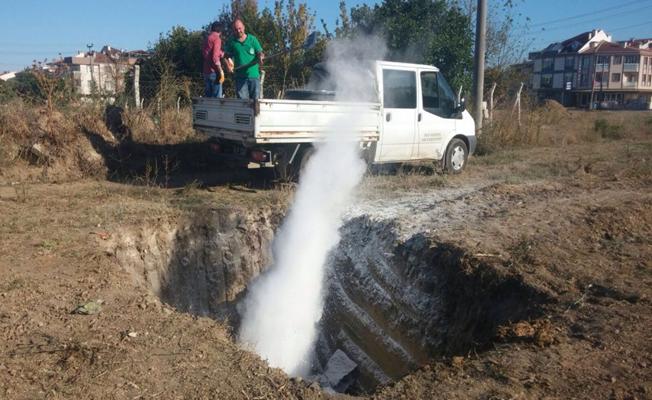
393	303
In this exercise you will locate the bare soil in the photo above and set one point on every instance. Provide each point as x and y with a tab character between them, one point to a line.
572	221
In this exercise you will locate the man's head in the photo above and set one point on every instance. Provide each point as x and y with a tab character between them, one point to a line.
216	27
238	28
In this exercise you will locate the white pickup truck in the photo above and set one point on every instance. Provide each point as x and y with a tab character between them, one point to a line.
413	116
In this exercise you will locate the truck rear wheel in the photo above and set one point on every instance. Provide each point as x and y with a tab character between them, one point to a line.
456	155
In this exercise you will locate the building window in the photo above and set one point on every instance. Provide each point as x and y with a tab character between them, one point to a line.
586	63
615	77
569	63
602	77
547	65
631	59
618	60
603	59
546	81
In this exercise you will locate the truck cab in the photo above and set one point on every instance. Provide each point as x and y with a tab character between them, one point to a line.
420	115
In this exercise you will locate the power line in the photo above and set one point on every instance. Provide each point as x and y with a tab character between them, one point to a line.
630	26
557	28
29	52
638	2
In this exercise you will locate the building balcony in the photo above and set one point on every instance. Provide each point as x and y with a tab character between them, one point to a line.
630	85
601	67
631	67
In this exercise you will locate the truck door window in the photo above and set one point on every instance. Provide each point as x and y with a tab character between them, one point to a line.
399	89
437	97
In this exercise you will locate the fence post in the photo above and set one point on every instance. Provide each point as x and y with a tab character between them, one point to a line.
137	86
491	103
517	104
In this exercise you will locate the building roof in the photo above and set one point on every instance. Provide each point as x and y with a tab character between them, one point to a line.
573	45
5	76
616	48
640	43
595	42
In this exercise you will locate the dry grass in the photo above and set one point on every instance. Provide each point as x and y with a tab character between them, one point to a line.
153	126
405	178
55	144
553	125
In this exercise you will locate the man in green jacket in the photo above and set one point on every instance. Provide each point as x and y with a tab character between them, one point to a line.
244	56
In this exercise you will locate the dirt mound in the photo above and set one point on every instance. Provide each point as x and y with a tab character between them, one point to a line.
555	109
48	145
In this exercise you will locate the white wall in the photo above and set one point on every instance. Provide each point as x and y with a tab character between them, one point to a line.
103	75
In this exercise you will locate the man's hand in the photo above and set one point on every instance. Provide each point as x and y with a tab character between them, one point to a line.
221	71
261	58
229	64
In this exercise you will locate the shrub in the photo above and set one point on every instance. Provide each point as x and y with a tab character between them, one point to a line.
607	130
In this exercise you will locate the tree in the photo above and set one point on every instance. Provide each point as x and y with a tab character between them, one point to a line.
506	44
420	31
286	26
177	54
175	67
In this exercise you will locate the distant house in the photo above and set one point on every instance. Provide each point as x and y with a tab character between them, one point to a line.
5	76
100	72
590	69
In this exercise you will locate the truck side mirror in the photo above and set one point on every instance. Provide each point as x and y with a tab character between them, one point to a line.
461	106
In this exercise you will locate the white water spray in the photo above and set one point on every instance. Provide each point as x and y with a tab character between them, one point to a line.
284	305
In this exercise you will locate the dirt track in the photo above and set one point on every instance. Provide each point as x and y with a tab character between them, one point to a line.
572	223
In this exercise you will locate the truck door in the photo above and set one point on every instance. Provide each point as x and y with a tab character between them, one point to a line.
435	119
399	93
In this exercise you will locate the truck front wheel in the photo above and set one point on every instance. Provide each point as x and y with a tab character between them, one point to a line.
456	156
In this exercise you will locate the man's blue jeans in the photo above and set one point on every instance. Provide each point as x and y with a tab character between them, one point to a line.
247	88
213	86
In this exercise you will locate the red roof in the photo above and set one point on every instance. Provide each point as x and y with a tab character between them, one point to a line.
616	48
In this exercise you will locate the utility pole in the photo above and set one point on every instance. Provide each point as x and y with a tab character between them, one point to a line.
478	67
90	88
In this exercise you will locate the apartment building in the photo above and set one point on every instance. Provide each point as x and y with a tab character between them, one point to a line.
102	72
591	70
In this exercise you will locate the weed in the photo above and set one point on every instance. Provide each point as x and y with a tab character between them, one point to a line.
522	251
21	192
47	245
607	130
150	175
14	284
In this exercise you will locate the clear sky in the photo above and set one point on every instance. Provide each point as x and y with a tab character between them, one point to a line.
39	29
556	20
